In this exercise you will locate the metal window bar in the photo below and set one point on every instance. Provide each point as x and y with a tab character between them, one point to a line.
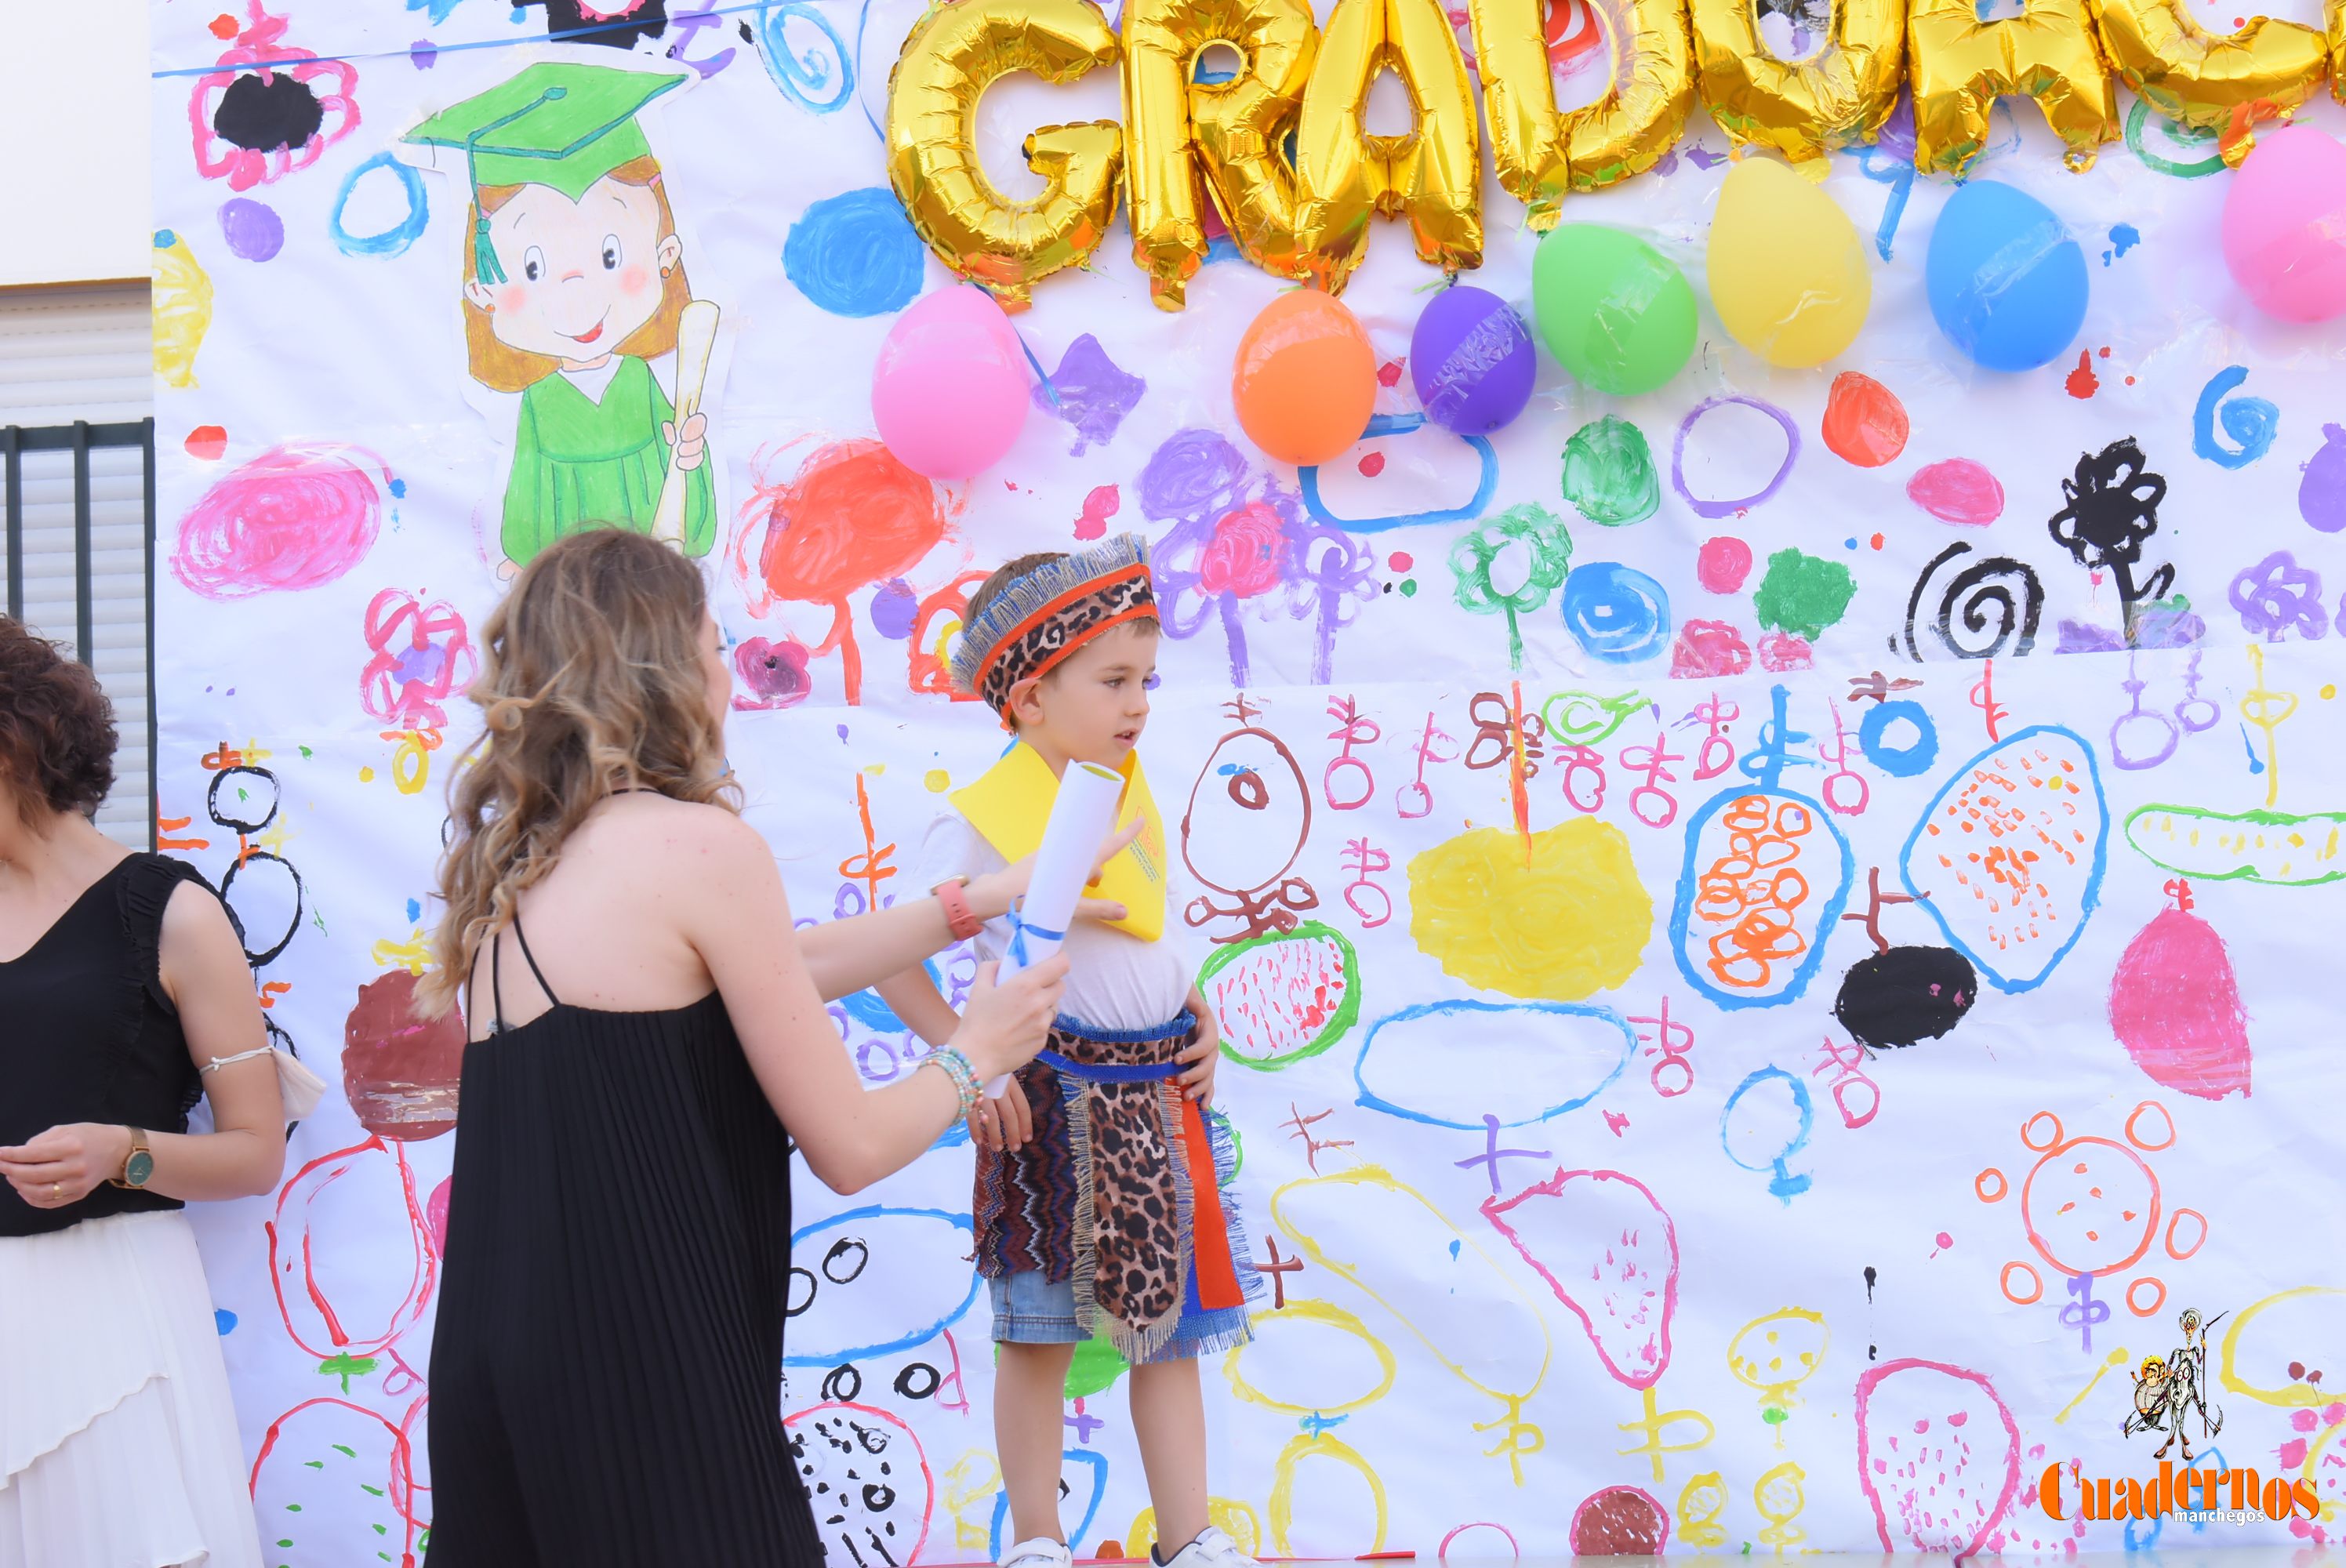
80	438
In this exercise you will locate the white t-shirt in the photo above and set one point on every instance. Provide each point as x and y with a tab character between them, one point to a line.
1115	980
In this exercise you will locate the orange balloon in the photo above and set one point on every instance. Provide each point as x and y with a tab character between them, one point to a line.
1306	379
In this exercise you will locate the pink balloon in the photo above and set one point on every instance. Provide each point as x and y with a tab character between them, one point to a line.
2285	225
949	392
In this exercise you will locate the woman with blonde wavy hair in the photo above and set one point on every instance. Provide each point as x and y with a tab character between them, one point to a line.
606	1364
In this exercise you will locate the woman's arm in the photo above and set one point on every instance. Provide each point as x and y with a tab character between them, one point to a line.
205	975
734	915
844	956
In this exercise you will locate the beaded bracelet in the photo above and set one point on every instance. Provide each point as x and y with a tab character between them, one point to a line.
965	1076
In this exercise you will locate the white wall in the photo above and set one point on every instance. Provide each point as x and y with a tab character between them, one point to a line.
73	107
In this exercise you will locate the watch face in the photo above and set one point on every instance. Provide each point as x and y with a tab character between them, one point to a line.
139	1167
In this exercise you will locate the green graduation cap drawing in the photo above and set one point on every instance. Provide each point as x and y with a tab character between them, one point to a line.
597	440
556	123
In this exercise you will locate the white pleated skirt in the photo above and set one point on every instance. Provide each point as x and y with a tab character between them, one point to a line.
118	1445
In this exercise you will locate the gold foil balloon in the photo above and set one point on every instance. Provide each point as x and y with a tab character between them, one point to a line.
1542	154
1959	66
2266	70
1188	135
1836	97
1432	175
1788	273
953	53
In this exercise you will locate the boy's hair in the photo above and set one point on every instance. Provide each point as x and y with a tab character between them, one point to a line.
998	583
1009	572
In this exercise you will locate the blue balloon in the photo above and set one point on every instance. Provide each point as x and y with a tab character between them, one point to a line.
2007	281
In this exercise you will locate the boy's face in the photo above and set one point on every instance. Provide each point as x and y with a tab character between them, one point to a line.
1093	704
580	276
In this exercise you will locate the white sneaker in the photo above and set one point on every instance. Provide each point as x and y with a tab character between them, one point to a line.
1212	1550
1040	1553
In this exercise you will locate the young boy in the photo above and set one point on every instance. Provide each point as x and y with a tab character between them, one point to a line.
1097	1206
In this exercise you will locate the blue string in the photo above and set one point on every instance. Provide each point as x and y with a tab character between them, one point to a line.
1019	926
564	36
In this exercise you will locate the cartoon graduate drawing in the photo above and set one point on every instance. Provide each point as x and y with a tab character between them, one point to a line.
574	284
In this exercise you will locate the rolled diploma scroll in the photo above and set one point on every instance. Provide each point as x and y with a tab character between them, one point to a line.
1082	814
696	334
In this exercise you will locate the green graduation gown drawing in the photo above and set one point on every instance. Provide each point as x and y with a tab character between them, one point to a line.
578	464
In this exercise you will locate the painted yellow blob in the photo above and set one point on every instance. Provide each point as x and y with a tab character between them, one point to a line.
2328	692
1233	1519
1568	924
366	775
183	311
937	780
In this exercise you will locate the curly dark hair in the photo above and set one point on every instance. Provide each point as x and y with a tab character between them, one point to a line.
56	727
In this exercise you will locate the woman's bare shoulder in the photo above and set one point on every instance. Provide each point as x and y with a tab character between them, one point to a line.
676	839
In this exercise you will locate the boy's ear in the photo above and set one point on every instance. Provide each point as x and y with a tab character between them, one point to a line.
1026	702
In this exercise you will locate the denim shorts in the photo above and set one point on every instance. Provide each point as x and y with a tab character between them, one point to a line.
1029	1309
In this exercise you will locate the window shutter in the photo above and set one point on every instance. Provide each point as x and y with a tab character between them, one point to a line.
87	353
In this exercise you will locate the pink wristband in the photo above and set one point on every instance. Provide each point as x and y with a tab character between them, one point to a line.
953	899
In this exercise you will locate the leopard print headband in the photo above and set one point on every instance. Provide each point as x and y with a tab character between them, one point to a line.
1049	613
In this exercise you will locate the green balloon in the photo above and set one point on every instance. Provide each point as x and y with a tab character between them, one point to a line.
1616	313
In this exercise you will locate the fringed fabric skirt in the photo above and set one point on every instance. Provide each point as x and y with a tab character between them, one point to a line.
1120	1193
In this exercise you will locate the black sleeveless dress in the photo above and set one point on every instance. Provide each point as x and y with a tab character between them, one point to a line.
91	1035
607	1364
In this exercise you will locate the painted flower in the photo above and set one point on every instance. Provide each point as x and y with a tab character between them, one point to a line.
2277	595
1528	539
1246	554
256	127
775	673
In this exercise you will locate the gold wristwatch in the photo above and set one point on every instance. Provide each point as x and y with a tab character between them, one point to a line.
139	1165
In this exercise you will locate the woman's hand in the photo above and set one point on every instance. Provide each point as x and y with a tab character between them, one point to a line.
991	896
1004	1024
63	1165
1203	1055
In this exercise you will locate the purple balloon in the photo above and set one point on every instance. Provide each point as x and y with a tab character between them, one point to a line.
1472	362
2321	494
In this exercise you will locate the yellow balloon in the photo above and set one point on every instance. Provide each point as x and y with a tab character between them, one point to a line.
1542	154
1836	97
1958	66
1229	133
1432	175
955	52
1788	272
2266	70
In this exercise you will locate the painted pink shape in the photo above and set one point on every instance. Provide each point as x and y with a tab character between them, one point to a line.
1246	554
1921	1459
435	1213
1708	648
872	1481
1100	506
1783	651
1610	1230
1957	490
297	516
1722	563
2175	1005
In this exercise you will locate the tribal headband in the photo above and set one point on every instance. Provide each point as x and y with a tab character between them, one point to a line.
1049	613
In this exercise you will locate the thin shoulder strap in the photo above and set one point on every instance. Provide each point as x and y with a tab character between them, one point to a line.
523	937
